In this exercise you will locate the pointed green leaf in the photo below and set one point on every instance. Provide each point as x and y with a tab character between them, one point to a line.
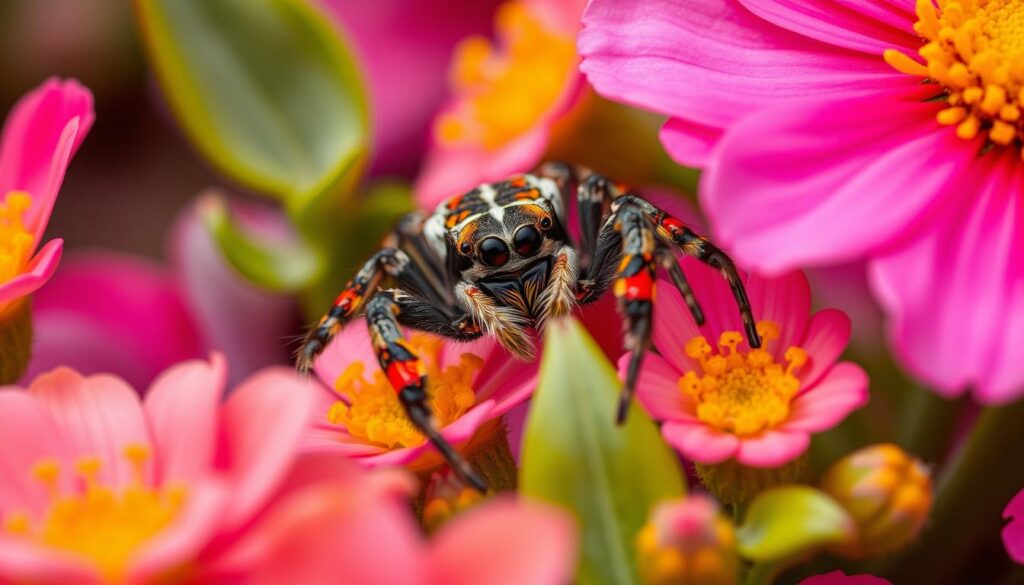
790	521
267	89
574	454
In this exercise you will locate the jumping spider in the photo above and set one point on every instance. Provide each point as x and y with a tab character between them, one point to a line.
498	261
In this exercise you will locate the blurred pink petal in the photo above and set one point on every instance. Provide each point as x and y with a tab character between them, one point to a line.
658	389
772	448
27	563
841	578
699	442
689	143
36	273
827	336
27	434
1013	533
843	389
861	25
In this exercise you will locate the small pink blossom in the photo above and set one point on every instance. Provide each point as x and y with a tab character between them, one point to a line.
841	578
1013	532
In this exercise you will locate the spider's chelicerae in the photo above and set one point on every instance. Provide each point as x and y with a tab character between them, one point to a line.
498	261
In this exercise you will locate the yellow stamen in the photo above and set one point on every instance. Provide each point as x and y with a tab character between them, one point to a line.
373	412
504	91
975	48
15	239
99	523
742	391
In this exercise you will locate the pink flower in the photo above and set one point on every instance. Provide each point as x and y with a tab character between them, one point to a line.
719	400
834	131
100	487
508	97
1013	533
471	385
841	578
40	136
344	535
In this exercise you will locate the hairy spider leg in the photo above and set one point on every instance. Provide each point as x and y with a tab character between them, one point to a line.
671	265
407	375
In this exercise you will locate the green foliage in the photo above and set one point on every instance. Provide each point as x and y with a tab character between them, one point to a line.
792	521
575	456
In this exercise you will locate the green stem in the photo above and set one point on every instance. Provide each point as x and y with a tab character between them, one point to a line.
15	341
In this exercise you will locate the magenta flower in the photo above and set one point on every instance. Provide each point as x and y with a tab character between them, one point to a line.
40	136
1013	533
100	487
720	400
508	97
469	384
860	129
841	578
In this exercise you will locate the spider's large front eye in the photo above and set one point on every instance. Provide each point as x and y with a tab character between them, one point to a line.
493	252
527	240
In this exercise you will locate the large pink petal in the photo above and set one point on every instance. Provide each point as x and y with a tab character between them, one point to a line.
838	179
27	562
262	423
658	390
842	390
505	542
955	295
41	134
689	143
861	25
37	272
772	448
101	415
827	336
712	61
98	315
27	436
183	409
1013	533
784	300
699	442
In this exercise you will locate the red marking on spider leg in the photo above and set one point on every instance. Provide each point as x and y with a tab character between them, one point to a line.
347	300
639	287
403	374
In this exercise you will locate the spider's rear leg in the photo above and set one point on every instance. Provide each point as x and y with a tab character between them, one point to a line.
407	375
671	265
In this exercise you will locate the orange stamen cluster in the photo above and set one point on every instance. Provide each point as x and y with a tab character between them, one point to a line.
15	238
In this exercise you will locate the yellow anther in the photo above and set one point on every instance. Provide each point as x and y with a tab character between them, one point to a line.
1002	133
47	471
137	455
904	64
89	468
697	348
15	239
969	127
768	330
951	116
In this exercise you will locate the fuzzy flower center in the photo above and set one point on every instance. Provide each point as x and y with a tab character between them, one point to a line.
975	48
15	240
502	91
102	524
742	391
372	411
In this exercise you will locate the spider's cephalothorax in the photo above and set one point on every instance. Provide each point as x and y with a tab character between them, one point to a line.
498	261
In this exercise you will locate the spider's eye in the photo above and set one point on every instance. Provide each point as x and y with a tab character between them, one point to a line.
545	223
493	252
527	240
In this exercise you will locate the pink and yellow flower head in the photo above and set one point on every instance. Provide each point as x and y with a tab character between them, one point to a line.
41	134
469	387
508	95
719	399
831	132
688	541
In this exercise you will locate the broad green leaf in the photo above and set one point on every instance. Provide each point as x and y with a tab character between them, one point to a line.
574	454
790	521
270	263
266	88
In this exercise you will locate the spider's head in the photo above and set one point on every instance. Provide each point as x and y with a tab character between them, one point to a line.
506	240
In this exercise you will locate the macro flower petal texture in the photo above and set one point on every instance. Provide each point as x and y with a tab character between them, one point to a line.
469	385
102	487
719	399
41	134
833	131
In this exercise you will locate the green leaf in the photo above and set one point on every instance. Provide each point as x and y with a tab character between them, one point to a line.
574	454
267	89
790	521
270	263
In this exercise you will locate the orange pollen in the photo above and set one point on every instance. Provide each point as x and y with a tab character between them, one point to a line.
502	92
975	49
15	238
742	391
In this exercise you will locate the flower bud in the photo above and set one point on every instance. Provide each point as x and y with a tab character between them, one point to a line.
687	541
886	491
445	497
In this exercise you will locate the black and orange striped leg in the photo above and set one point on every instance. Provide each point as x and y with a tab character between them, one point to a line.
407	375
671	265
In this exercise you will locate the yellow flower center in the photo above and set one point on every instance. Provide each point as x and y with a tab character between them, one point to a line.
15	240
503	92
742	391
373	412
104	525
975	48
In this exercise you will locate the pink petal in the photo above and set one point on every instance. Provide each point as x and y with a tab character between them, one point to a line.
36	273
425	455
507	381
772	448
41	134
26	562
27	436
841	578
263	422
689	143
183	410
352	344
843	389
827	336
840	177
700	442
97	315
784	300
337	442
505	542
101	415
673	324
713	59
1013	533
658	390
860	25
955	295
602	322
